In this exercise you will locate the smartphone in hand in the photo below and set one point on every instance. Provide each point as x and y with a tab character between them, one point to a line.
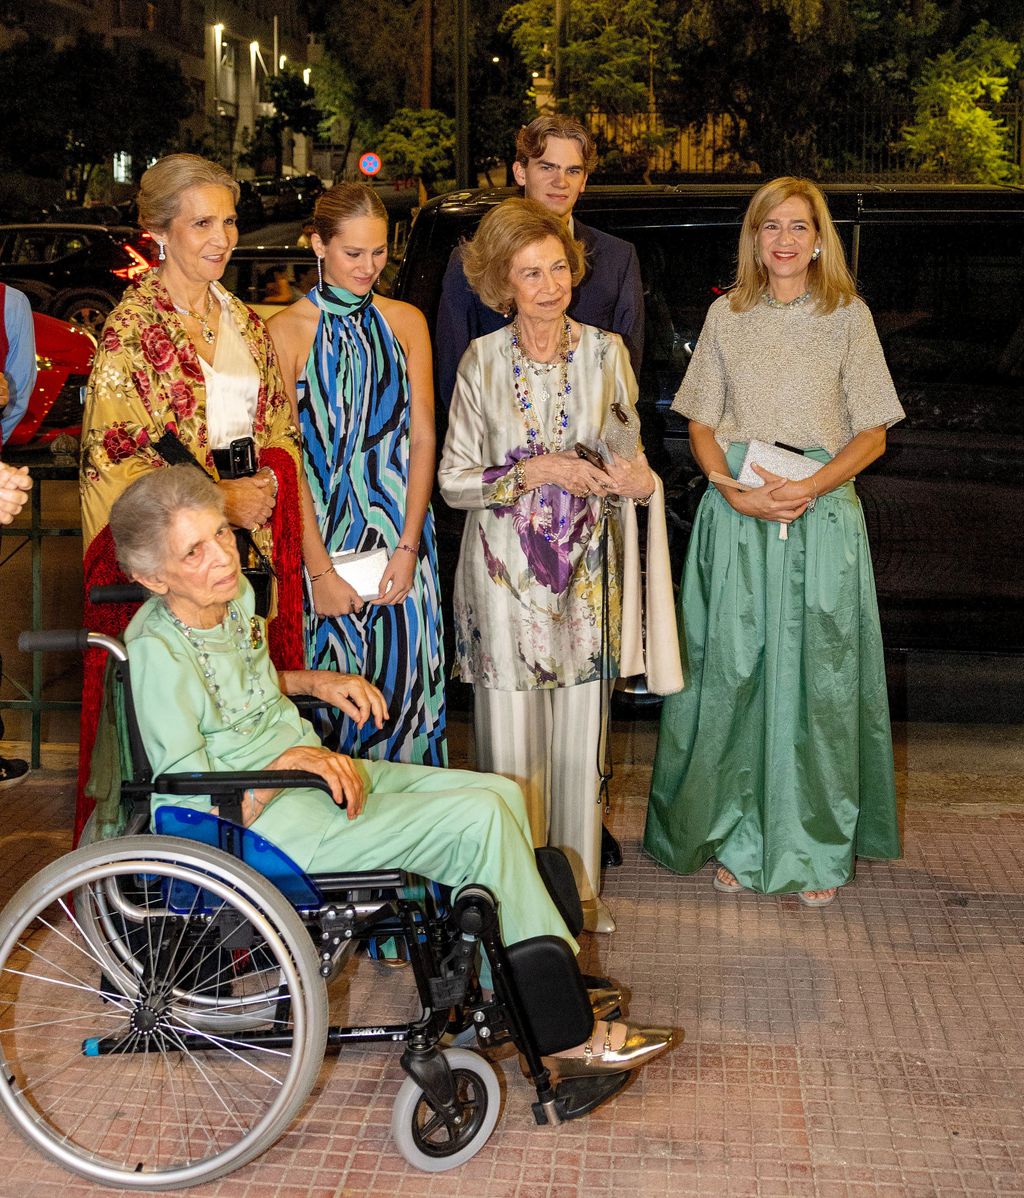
590	455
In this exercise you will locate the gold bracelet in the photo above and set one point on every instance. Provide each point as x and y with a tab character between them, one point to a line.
644	501
322	574
518	479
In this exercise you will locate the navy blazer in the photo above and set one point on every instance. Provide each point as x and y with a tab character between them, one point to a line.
610	296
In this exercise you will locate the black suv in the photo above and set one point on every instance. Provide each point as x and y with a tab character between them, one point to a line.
942	270
76	272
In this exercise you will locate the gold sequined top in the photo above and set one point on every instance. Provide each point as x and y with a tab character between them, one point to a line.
788	374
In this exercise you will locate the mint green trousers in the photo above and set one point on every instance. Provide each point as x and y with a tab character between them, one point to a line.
451	826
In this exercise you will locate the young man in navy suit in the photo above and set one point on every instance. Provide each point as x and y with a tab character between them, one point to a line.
554	156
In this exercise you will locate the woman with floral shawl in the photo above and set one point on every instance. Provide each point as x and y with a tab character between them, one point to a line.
181	356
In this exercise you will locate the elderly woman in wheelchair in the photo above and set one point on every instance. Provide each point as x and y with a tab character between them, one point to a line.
166	1013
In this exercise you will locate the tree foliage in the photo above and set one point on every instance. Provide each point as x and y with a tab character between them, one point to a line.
295	108
419	143
956	134
65	112
380	43
614	55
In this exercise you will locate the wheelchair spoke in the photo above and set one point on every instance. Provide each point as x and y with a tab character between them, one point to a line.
152	1079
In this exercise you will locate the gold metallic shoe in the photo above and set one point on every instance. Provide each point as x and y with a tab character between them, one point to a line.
597	917
604	1001
642	1044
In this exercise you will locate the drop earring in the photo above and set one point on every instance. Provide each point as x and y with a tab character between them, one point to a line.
817	253
162	256
320	271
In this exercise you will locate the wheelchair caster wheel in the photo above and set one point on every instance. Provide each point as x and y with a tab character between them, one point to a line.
425	1139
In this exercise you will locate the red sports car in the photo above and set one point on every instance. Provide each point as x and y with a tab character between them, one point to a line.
64	355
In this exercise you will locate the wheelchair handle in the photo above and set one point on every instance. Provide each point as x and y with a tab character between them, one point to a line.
70	640
121	592
67	640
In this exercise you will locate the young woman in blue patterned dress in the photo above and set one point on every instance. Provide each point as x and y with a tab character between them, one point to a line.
359	370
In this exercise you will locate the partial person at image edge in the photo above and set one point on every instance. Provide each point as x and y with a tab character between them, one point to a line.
18	366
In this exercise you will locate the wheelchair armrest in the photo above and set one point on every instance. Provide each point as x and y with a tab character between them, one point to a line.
229	783
308	703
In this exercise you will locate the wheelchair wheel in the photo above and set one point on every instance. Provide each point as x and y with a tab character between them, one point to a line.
230	990
423	1137
107	1071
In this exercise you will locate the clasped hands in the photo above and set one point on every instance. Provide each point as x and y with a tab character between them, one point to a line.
780	499
630	478
249	502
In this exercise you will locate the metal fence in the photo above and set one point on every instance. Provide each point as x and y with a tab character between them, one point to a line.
856	144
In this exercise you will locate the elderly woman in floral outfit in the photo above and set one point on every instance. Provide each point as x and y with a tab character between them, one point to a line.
539	581
183	366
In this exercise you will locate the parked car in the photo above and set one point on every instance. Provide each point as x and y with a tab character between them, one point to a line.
942	269
249	207
64	354
308	189
76	272
268	278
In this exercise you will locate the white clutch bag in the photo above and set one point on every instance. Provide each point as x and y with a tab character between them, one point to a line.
776	460
362	571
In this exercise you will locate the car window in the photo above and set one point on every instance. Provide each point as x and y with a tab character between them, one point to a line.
31	247
269	284
69	243
948	302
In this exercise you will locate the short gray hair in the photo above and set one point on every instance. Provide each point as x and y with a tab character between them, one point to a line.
142	515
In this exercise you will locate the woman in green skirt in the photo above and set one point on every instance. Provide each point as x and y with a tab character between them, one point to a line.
777	757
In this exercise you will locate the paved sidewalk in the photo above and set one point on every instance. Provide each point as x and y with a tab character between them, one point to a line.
875	1047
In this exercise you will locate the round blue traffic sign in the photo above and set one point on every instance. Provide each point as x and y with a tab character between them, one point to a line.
370	163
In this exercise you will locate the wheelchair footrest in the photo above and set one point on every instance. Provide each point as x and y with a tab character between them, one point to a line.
578	1096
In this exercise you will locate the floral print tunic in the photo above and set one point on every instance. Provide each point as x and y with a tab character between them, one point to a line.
529	588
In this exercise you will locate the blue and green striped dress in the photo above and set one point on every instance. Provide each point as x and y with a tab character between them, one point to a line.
354	416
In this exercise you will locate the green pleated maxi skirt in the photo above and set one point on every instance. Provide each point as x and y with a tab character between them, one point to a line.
777	757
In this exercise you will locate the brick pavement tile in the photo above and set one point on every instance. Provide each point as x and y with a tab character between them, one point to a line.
868	1049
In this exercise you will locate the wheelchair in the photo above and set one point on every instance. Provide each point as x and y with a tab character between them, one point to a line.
163	993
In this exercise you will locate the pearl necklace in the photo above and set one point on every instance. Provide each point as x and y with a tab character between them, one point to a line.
208	335
772	302
245	638
534	440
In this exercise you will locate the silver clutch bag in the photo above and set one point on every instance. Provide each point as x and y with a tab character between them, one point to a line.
362	571
620	432
776	460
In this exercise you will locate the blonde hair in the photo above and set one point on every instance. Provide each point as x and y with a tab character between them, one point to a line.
161	187
343	202
532	139
828	277
509	227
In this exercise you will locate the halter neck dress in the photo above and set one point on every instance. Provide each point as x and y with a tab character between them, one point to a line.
354	410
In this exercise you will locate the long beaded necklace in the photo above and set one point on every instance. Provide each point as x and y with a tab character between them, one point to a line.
520	382
207	334
245	639
527	409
